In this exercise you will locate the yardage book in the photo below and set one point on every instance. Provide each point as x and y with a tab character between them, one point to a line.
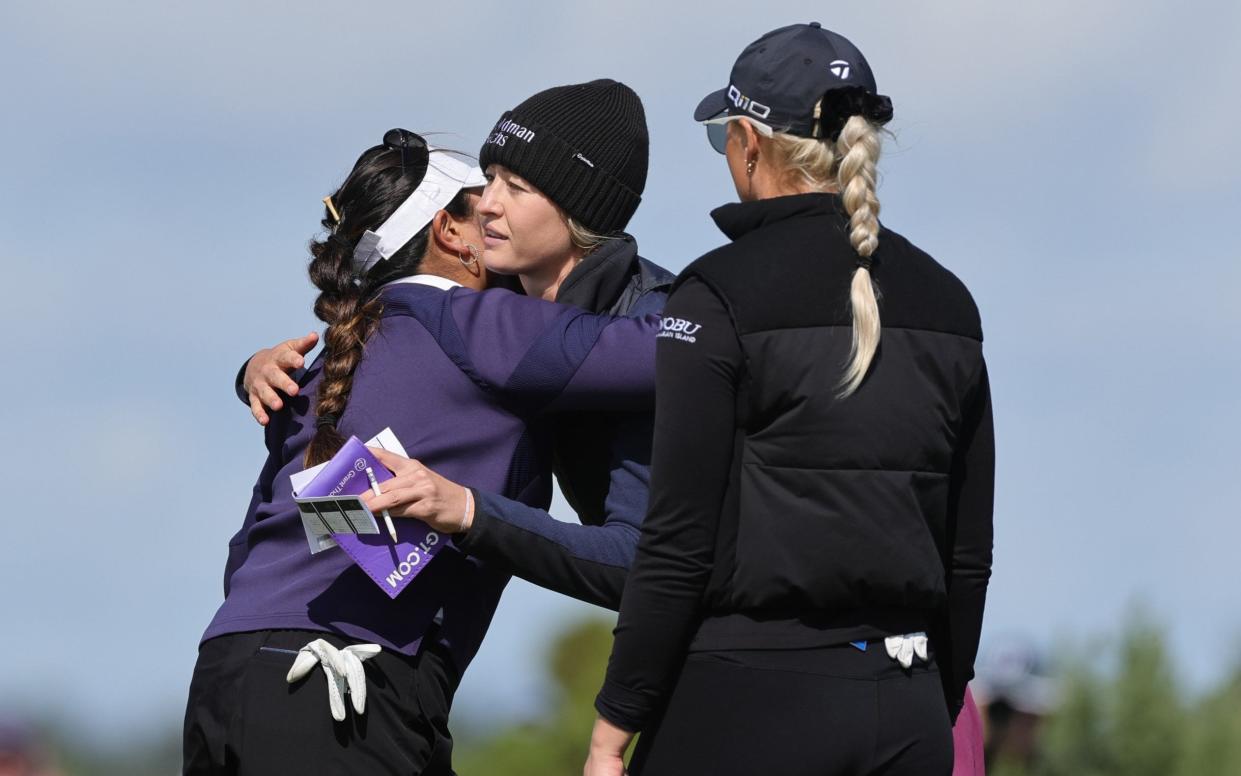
333	515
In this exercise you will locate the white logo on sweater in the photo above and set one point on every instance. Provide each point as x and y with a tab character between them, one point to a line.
678	328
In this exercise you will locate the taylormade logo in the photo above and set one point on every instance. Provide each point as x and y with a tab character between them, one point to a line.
746	104
839	68
509	128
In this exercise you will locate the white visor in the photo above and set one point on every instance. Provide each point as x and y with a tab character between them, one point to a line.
446	175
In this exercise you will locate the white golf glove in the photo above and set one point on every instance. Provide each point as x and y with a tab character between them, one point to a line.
902	649
344	672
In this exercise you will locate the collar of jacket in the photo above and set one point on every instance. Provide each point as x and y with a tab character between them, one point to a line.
738	218
598	280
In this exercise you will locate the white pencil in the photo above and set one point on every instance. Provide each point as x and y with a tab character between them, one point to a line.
370	475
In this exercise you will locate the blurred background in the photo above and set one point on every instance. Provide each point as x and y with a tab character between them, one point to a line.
161	169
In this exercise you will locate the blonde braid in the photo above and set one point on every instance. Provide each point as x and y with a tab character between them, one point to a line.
858	149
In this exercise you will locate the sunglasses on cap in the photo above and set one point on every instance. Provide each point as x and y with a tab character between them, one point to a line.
414	150
717	129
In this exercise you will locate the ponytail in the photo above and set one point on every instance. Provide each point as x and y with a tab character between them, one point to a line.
349	304
351	320
858	151
848	167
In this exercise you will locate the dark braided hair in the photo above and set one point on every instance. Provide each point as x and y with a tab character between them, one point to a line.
380	181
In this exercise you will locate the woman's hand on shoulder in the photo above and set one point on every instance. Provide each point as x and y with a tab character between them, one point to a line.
418	492
268	370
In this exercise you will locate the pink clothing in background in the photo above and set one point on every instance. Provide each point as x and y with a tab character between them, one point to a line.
967	741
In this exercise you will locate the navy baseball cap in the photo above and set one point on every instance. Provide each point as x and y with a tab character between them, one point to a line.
800	79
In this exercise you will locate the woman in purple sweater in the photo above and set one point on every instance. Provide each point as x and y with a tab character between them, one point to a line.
467	382
566	169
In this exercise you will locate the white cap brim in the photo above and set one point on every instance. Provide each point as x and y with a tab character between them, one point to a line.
446	176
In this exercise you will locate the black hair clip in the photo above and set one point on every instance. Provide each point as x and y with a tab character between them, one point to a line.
414	151
838	105
341	242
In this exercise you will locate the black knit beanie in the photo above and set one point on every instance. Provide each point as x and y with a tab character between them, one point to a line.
584	145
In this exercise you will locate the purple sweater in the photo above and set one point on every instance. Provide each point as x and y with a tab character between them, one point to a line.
466	381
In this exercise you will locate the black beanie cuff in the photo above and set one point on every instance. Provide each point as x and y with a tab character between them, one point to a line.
587	193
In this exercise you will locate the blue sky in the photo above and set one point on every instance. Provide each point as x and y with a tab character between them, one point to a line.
162	166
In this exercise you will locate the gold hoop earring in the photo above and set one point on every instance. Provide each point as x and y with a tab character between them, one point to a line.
473	256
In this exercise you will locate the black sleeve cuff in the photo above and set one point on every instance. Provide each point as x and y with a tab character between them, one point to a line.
954	711
239	383
479	533
622	707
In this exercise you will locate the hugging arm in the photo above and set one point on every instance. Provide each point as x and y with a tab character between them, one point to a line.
587	561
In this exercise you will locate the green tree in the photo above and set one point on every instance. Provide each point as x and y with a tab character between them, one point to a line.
1075	740
555	744
1122	713
1214	736
1131	722
1148	718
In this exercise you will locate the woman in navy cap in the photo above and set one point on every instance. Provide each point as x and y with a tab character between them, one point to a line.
809	586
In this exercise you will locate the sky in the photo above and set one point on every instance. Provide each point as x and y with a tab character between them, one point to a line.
161	169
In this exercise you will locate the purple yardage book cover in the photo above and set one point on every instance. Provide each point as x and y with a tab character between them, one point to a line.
391	566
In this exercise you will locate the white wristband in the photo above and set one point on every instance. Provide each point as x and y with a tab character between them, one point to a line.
469	498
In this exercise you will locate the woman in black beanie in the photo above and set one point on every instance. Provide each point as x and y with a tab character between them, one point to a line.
808	591
565	170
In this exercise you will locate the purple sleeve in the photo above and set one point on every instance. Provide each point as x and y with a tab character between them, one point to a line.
552	357
497	328
618	372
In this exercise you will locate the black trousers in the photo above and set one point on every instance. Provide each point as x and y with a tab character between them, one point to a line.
832	711
243	718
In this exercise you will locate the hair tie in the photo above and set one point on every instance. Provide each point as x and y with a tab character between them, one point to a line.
341	242
327	419
838	105
864	262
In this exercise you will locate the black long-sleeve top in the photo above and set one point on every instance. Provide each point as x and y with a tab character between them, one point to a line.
696	395
694	585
